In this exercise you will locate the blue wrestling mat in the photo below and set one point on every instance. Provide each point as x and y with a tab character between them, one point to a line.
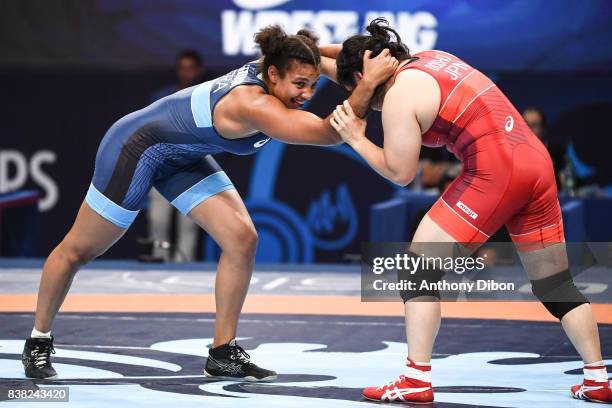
323	361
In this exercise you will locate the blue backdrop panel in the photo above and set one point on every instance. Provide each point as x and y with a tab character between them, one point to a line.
507	35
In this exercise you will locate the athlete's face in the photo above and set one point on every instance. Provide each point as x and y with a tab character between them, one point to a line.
297	85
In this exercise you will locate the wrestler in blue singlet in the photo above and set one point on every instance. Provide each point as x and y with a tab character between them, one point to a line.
167	145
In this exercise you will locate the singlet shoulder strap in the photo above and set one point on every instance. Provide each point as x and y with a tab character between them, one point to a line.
406	66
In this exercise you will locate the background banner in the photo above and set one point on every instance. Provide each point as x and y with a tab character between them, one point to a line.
506	35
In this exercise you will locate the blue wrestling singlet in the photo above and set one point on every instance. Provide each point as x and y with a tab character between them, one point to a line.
167	145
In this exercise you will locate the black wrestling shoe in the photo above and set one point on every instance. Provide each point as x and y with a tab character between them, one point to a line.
36	358
231	362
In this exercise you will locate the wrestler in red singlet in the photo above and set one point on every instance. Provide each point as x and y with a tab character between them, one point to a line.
507	176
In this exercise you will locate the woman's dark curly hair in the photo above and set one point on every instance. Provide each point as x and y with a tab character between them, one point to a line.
350	59
278	48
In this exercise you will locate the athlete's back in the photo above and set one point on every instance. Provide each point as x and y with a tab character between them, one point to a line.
507	176
471	105
166	145
192	109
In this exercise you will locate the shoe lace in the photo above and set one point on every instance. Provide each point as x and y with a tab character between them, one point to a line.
237	353
391	383
41	353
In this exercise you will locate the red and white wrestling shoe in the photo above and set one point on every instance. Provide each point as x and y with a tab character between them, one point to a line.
593	391
413	387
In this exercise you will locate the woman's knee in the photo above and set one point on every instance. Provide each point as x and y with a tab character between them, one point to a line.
76	254
241	239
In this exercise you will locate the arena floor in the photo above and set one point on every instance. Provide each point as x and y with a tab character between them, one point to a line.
132	334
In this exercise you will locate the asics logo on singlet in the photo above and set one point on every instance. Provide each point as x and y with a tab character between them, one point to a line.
509	123
260	143
467	210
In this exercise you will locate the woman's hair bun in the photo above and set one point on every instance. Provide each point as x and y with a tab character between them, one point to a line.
270	39
308	34
379	28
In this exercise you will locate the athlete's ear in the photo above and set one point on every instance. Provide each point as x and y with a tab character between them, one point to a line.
357	76
273	74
